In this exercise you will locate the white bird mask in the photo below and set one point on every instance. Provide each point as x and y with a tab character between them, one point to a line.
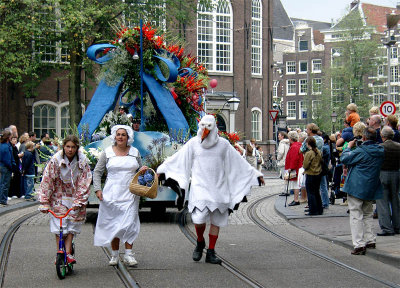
208	131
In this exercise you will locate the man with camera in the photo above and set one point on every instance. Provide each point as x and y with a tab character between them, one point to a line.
363	186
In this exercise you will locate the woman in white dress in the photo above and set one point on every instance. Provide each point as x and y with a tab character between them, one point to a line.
118	218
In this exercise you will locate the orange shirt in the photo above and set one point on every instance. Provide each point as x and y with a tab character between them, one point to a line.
353	118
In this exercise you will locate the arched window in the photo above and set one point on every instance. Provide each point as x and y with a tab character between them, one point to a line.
256	124
52	118
214	36
256	32
221	125
65	123
44	120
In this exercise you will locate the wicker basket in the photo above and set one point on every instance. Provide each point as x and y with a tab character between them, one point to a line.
144	191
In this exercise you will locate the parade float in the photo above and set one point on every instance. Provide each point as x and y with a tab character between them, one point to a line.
161	85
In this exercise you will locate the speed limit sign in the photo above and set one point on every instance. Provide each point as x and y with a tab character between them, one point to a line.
388	108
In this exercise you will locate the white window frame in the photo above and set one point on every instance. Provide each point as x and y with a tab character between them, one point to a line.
292	114
58	107
314	106
394	92
287	86
394	53
256	123
303	62
317	65
302	108
335	61
207	44
290	65
315	85
256	39
275	89
394	74
52	52
381	71
336	89
303	87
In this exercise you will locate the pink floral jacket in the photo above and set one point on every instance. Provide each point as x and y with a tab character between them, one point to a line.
54	193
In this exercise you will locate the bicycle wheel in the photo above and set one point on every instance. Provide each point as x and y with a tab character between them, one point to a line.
60	266
70	269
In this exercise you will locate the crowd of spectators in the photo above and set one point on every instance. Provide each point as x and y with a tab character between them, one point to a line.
21	161
363	159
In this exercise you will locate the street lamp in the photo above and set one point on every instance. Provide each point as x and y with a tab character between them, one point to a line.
29	100
234	103
233	107
333	118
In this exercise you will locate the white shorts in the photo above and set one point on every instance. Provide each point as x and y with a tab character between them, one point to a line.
68	226
216	217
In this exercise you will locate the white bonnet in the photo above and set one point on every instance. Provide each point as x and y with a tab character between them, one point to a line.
128	130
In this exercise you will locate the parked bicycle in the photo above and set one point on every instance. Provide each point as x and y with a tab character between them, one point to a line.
270	164
63	268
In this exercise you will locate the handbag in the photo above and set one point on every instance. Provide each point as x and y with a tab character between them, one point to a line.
301	179
291	175
141	190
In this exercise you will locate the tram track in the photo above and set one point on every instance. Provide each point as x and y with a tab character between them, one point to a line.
251	212
7	240
5	244
225	263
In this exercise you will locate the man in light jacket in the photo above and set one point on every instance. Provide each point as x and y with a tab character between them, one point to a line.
363	186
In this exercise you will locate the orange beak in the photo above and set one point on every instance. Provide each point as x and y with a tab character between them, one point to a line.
205	134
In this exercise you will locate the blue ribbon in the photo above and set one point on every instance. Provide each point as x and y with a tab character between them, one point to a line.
105	97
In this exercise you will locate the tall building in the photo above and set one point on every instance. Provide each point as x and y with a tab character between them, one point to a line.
233	40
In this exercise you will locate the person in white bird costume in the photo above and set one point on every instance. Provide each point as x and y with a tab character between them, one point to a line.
220	178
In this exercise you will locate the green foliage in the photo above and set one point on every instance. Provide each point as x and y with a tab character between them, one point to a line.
347	79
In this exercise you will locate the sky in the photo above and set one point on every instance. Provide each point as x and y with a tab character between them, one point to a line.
325	10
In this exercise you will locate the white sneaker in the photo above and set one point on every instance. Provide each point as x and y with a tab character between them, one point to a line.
14	197
113	261
130	260
8	198
23	197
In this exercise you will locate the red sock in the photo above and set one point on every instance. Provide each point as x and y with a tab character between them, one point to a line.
200	232
213	240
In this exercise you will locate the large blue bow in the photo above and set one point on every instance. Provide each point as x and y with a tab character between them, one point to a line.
105	97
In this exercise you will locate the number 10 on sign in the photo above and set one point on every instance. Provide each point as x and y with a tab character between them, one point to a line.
388	108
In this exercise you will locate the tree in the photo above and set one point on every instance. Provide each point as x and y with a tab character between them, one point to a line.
354	58
73	25
18	24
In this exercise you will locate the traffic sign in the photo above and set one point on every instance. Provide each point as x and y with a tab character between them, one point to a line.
273	114
388	108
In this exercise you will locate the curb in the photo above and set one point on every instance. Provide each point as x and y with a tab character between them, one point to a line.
377	254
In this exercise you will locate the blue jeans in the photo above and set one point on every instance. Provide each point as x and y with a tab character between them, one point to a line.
324	191
29	183
5	178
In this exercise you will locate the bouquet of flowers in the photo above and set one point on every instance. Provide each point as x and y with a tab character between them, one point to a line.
111	119
92	154
187	90
233	137
146	179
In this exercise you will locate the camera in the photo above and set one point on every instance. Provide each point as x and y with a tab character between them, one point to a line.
358	141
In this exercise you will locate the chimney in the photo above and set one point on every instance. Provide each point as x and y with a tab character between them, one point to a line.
354	3
398	6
